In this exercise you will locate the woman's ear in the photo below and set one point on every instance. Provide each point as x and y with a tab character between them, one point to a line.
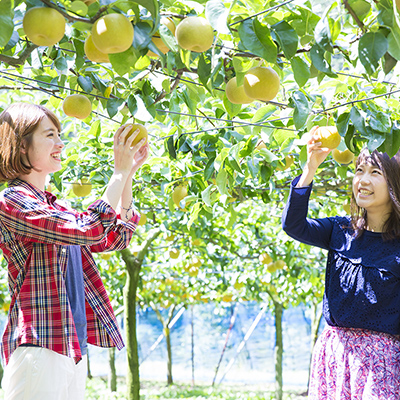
22	148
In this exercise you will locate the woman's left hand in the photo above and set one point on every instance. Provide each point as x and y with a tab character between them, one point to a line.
140	157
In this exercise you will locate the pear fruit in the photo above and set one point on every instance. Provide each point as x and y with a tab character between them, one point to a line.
93	53
82	188
179	193
195	34
261	83
77	105
44	26
343	157
112	33
235	93
328	136
142	134
265	258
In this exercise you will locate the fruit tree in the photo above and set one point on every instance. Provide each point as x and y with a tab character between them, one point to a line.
222	155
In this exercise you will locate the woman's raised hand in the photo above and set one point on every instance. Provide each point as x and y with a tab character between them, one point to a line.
316	154
128	157
315	157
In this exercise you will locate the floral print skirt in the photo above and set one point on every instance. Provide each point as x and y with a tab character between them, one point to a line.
355	364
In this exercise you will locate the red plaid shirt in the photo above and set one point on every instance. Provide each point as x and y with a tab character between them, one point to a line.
35	231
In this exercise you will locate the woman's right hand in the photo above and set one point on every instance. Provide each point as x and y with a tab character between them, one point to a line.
124	152
316	155
124	158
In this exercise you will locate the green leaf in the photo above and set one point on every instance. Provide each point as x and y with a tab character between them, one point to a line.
241	66
206	195
393	40
358	121
204	70
322	35
209	169
287	38
253	166
257	39
80	53
6	21
319	61
85	83
168	38
123	62
268	155
154	9
222	178
95	129
132	104
142	36
301	71
217	14
389	63
371	47
375	139
194	213
113	106
232	109
342	123
392	142
171	147
61	63
302	109
380	122
263	113
360	7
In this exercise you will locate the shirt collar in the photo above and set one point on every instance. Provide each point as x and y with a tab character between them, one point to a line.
44	196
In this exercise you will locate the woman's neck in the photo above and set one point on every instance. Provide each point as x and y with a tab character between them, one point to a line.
36	180
376	222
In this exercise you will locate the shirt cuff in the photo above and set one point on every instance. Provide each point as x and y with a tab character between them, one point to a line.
300	191
133	222
106	212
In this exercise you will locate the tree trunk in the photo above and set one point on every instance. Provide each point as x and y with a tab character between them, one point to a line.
1	374
112	374
132	375
133	266
166	331
231	324
192	342
89	372
278	308
169	355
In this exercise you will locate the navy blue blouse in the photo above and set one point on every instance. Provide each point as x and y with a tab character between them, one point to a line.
362	283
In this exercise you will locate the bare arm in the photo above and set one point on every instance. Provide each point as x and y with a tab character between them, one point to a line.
124	162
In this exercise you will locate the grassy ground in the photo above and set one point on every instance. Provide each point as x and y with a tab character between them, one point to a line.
97	390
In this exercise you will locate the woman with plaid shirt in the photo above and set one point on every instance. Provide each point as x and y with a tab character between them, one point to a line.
58	301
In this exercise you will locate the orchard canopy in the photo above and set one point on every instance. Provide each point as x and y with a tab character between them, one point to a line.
336	63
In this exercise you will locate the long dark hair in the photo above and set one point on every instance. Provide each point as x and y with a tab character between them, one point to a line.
390	167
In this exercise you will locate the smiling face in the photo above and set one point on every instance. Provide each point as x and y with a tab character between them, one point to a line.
44	152
371	190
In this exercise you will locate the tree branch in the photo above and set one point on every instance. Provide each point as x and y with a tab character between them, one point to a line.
15	62
69	17
354	15
173	87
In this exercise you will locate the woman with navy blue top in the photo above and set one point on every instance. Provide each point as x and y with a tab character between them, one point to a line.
358	354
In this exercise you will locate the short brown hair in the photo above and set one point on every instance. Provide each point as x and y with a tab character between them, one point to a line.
17	124
390	167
